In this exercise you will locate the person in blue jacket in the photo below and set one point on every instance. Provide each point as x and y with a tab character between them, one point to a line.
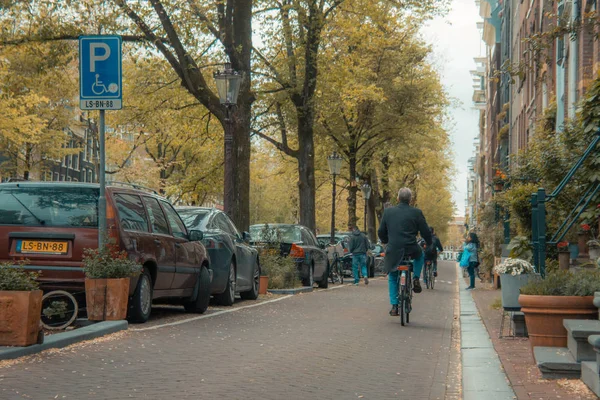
472	246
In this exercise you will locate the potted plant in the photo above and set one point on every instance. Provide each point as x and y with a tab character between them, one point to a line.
582	238
107	274
564	255
499	180
20	307
561	295
514	273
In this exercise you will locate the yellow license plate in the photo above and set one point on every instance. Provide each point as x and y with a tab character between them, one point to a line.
43	246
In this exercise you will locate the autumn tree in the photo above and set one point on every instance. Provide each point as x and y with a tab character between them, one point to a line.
36	88
290	59
192	36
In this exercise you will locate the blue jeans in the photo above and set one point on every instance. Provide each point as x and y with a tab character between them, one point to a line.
359	260
471	271
393	278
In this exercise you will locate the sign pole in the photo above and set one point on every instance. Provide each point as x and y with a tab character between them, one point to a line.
102	182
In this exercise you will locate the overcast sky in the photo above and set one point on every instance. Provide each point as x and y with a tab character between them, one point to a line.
456	40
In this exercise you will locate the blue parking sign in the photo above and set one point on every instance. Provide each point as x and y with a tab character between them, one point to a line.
100	75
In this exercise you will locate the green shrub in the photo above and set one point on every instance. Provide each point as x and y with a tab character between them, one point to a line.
565	283
282	271
107	263
520	247
17	279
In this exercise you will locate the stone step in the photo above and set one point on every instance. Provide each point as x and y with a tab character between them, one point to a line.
578	332
591	376
556	363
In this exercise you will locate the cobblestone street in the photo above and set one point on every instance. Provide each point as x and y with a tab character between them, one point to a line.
333	344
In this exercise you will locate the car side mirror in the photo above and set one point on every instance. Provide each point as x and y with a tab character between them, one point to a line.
196	235
246	236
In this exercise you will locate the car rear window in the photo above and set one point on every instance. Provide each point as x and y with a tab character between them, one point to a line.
49	206
276	233
193	219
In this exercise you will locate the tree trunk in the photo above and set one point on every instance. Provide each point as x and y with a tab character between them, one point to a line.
352	190
27	162
242	39
306	170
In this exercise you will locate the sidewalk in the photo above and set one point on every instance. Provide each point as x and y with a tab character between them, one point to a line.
517	360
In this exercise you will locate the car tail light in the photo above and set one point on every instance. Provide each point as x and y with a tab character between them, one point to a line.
345	251
296	251
111	223
382	254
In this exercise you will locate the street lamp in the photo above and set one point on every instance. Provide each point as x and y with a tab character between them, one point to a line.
335	165
366	189
228	86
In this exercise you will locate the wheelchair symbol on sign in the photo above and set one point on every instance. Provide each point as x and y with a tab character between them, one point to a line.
98	87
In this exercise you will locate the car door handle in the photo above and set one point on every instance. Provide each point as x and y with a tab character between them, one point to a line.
157	242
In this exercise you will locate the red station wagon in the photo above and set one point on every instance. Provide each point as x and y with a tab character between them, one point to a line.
49	224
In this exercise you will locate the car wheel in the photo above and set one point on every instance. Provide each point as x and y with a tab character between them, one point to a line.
228	296
324	282
310	280
140	305
252	294
200	303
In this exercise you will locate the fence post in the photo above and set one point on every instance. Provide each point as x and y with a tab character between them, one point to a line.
541	230
534	230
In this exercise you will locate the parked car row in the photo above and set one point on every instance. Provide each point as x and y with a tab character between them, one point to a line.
188	254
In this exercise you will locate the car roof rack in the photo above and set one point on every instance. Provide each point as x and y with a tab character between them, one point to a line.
132	185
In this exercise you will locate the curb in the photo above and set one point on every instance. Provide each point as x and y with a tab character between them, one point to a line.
305	289
482	374
60	340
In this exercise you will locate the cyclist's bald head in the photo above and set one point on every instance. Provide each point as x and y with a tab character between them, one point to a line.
404	195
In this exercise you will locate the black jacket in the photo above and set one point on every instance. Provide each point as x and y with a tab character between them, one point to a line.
432	251
398	229
359	244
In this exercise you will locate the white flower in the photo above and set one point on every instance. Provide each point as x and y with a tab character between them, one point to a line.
514	266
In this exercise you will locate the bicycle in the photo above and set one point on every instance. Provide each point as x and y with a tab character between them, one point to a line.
336	272
405	291
428	275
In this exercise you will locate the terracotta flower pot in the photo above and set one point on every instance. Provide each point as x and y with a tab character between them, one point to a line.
544	316
106	299
264	284
20	314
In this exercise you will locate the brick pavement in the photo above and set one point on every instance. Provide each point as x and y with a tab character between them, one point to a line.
518	362
335	344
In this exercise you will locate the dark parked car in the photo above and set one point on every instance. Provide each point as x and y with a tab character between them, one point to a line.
300	243
51	223
235	264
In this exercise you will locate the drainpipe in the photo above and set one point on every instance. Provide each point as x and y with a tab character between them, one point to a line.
573	60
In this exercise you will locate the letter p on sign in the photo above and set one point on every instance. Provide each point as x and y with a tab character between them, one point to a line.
96	56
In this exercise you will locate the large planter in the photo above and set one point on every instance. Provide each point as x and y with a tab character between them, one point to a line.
544	316
264	284
510	288
106	299
564	259
20	314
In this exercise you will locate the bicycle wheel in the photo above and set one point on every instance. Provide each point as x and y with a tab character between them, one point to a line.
408	300
333	271
432	279
426	275
401	304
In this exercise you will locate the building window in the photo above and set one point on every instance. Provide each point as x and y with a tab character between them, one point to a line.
76	162
68	179
62	178
90	176
56	176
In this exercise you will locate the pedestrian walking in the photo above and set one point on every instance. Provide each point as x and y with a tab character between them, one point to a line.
472	246
359	244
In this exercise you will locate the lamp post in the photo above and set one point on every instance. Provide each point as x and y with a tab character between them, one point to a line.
366	189
335	165
228	86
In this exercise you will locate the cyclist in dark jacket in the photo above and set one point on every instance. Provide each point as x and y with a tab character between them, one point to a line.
432	254
398	230
359	245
